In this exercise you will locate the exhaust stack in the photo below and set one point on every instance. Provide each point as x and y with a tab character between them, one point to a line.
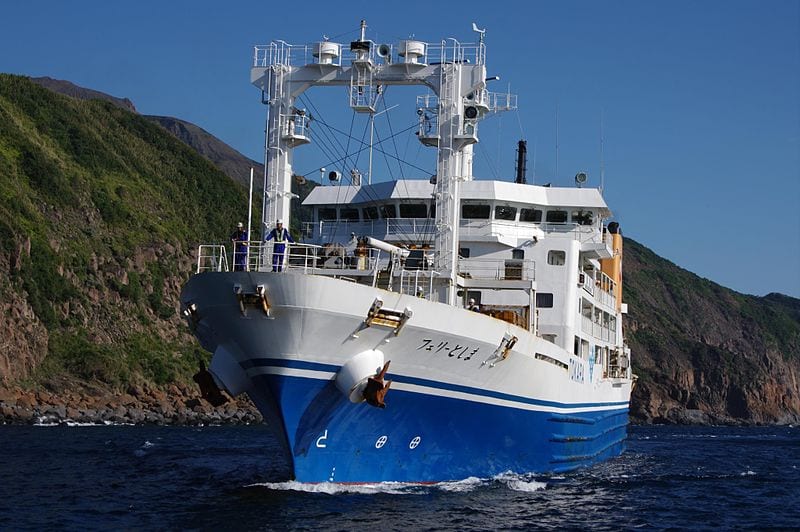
522	161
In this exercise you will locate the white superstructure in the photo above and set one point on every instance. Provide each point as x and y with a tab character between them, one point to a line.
521	247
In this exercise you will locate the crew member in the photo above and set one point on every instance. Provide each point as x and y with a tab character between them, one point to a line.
281	236
473	306
239	239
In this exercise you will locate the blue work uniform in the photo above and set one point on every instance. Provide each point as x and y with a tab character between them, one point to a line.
239	238
279	248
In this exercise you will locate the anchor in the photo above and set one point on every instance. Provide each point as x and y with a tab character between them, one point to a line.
376	389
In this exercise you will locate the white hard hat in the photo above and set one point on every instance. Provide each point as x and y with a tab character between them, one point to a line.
239	225
278	221
472	301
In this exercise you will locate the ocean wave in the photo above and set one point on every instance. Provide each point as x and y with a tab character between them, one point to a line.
524	483
45	421
333	488
512	481
143	450
460	486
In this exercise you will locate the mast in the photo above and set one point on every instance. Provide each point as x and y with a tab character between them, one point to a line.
280	139
455	73
602	162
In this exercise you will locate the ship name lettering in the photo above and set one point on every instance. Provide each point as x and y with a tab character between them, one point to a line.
575	370
453	349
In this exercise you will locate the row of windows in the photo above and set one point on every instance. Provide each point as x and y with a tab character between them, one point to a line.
469	211
583	349
597	315
480	211
375	212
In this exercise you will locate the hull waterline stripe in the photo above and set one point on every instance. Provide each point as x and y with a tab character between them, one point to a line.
435	392
329	370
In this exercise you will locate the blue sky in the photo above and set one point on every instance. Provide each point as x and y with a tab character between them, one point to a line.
700	100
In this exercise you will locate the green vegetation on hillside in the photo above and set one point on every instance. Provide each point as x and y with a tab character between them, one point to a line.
679	301
110	205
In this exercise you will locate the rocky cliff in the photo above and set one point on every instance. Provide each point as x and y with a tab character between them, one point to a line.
707	354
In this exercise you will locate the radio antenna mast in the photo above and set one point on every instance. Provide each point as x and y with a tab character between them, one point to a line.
602	162
556	176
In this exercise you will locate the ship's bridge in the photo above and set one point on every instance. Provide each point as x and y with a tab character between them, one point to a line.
491	211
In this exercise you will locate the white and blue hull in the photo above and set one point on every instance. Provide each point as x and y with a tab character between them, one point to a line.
448	414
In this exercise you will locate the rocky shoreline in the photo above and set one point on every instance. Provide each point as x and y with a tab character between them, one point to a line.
178	404
175	404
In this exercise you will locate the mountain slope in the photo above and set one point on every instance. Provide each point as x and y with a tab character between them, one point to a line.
705	353
68	88
100	211
227	159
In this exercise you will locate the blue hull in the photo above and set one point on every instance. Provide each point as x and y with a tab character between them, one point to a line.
427	438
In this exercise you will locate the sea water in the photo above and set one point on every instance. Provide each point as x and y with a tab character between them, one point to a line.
127	477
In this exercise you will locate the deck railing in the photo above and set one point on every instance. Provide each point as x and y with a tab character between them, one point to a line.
424	229
283	53
256	256
597	330
211	258
498	269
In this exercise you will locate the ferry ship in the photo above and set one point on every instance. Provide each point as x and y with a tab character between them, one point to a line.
424	330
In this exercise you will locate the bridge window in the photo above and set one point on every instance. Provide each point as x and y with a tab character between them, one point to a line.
413	210
475	211
530	215
504	212
582	217
327	214
518	254
370	213
388	211
348	214
556	257
463	253
557	217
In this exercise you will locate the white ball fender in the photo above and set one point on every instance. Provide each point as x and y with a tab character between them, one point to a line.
352	377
